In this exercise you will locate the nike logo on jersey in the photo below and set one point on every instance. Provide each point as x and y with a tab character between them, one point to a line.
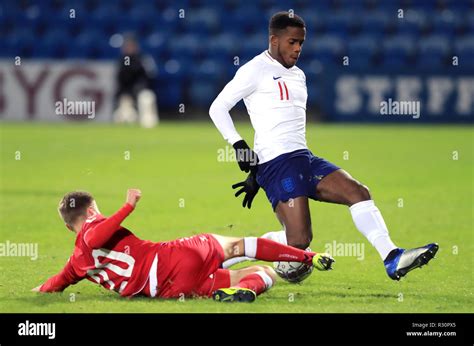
275	78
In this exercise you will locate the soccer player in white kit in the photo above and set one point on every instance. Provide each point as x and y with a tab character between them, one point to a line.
274	92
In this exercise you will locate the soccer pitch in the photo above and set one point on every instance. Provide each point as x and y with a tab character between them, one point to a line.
420	177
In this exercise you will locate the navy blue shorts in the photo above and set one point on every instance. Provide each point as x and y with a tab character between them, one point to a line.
293	175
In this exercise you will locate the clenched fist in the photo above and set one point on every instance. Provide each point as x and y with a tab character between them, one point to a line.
133	196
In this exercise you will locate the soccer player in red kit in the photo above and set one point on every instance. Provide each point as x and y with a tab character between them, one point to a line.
112	256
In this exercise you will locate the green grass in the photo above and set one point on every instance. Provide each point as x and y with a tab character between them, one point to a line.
179	161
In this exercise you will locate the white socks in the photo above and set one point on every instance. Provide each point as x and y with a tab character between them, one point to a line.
370	223
234	260
251	247
366	216
266	278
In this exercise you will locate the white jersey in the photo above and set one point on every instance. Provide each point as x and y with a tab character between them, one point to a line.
275	97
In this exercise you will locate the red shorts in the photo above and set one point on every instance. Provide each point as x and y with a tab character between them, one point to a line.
190	267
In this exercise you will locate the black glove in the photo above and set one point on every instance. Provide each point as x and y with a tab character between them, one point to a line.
250	187
246	157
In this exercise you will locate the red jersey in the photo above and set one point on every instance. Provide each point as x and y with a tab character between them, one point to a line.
108	254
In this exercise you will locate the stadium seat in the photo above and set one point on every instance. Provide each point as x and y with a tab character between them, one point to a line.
204	20
178	67
361	51
312	68
202	93
459	5
208	69
169	93
20	41
107	52
433	51
413	23
53	44
254	45
388	6
446	23
244	19
9	50
327	49
224	42
464	50
470	22
397	50
105	9
315	22
341	23
425	5
156	43
375	23
186	45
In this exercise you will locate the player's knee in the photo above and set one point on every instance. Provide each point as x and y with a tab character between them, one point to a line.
303	244
358	194
367	192
364	193
301	241
270	272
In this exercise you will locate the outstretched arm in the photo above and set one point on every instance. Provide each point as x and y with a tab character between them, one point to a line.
59	282
100	234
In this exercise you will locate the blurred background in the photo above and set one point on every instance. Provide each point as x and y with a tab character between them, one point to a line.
357	53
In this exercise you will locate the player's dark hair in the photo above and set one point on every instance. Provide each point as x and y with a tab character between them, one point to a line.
73	205
282	20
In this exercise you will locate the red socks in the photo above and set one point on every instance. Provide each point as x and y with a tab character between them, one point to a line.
255	282
270	251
